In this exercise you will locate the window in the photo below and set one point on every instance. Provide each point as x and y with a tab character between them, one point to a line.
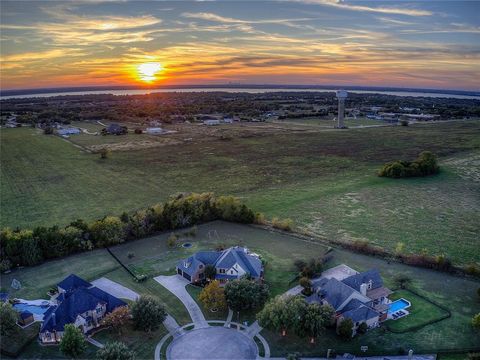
221	271
99	310
200	266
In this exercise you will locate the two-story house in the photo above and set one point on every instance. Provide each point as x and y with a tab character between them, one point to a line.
79	303
229	264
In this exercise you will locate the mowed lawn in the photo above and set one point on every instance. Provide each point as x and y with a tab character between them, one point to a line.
324	180
280	251
421	312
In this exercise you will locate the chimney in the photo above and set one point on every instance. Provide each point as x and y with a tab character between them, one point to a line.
410	354
363	289
54	319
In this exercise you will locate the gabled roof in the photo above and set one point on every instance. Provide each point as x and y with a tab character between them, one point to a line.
200	258
72	282
363	313
76	302
335	292
222	259
355	281
239	255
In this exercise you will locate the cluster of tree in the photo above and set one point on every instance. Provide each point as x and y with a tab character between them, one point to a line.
308	270
245	294
146	314
8	318
425	164
23	247
293	313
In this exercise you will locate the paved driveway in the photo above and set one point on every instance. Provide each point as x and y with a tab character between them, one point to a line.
176	285
115	289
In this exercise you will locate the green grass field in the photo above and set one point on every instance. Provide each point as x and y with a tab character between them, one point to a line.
324	180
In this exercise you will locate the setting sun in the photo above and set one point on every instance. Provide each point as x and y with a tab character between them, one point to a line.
147	71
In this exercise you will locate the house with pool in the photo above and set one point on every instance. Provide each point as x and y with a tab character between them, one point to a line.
80	303
361	297
76	302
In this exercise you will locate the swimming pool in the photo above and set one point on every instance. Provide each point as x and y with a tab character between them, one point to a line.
397	305
33	309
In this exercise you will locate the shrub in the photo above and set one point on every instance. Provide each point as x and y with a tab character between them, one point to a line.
148	313
5	265
73	342
138	131
213	296
362	328
285	224
402	280
307	285
425	164
172	240
8	318
345	329
115	351
104	152
117	319
476	321
404	122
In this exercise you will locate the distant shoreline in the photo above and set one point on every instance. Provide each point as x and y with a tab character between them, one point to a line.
233	86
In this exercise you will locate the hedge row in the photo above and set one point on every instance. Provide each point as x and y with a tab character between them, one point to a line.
25	247
437	262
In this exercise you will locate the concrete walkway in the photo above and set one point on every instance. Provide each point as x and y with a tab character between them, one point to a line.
229	318
115	289
176	285
172	327
95	342
253	329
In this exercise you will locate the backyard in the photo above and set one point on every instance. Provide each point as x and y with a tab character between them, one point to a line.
279	251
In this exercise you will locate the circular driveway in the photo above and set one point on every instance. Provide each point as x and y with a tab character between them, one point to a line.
216	342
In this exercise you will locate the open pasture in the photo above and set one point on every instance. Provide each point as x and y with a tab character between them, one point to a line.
324	180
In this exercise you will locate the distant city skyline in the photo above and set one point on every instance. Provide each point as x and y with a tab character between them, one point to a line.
416	44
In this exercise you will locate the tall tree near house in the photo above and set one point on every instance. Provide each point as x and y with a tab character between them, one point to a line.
73	342
8	318
213	296
117	319
210	272
148	313
345	329
476	321
244	294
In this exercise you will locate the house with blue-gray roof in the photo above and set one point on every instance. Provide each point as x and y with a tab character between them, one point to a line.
360	297
229	264
80	303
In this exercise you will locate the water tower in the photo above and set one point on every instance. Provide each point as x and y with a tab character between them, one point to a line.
341	96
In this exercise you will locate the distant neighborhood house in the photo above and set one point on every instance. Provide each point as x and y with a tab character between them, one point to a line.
115	129
68	131
229	264
79	303
360	297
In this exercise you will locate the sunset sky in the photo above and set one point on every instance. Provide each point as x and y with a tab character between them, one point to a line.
428	44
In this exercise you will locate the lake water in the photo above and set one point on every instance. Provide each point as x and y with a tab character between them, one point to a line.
237	90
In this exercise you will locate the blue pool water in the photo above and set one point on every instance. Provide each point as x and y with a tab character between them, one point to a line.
399	304
33	309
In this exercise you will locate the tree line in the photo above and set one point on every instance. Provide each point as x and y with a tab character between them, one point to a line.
28	247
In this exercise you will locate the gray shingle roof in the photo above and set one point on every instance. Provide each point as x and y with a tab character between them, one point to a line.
363	313
355	281
335	292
